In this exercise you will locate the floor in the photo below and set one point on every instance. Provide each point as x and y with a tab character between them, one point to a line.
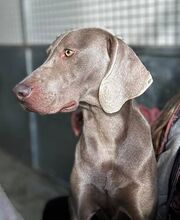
28	190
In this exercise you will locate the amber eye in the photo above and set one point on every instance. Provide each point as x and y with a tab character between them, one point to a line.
68	52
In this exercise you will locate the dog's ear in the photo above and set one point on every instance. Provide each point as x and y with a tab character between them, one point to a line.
126	77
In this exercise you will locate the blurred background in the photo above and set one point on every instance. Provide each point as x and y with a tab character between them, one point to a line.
36	152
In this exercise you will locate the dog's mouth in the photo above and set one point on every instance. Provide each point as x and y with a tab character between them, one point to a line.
70	106
25	107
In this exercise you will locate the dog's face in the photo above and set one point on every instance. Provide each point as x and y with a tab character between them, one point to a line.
76	61
87	65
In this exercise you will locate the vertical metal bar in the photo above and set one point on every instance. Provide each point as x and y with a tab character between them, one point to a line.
176	22
29	68
156	33
32	117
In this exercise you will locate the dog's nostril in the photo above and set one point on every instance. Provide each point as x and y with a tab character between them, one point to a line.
22	91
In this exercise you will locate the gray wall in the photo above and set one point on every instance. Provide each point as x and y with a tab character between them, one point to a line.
14	128
163	63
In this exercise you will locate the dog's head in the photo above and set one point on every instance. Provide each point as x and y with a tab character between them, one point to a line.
87	65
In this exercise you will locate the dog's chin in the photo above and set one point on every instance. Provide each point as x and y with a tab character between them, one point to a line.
69	107
27	108
31	109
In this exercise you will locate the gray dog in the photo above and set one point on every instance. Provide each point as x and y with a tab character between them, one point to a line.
115	168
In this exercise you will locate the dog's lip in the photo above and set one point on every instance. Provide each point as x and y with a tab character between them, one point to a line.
69	106
25	107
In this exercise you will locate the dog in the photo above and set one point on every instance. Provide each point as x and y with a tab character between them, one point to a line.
114	172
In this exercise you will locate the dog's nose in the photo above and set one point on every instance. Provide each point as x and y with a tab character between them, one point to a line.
22	91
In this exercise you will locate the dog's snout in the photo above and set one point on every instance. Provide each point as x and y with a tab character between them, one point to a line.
22	91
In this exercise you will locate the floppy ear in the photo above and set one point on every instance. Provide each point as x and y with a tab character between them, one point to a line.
125	79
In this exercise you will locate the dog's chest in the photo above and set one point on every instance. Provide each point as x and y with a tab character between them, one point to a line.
106	176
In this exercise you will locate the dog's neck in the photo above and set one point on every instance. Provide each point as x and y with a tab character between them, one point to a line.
107	128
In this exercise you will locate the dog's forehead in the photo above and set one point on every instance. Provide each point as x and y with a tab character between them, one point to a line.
81	37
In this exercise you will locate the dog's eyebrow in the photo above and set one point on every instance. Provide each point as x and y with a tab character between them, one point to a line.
55	43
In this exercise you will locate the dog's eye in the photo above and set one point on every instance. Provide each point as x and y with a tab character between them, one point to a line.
68	52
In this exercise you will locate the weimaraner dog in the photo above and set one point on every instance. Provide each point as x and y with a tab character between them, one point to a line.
114	172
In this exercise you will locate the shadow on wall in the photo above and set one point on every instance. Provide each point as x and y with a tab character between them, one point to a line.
14	130
166	75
